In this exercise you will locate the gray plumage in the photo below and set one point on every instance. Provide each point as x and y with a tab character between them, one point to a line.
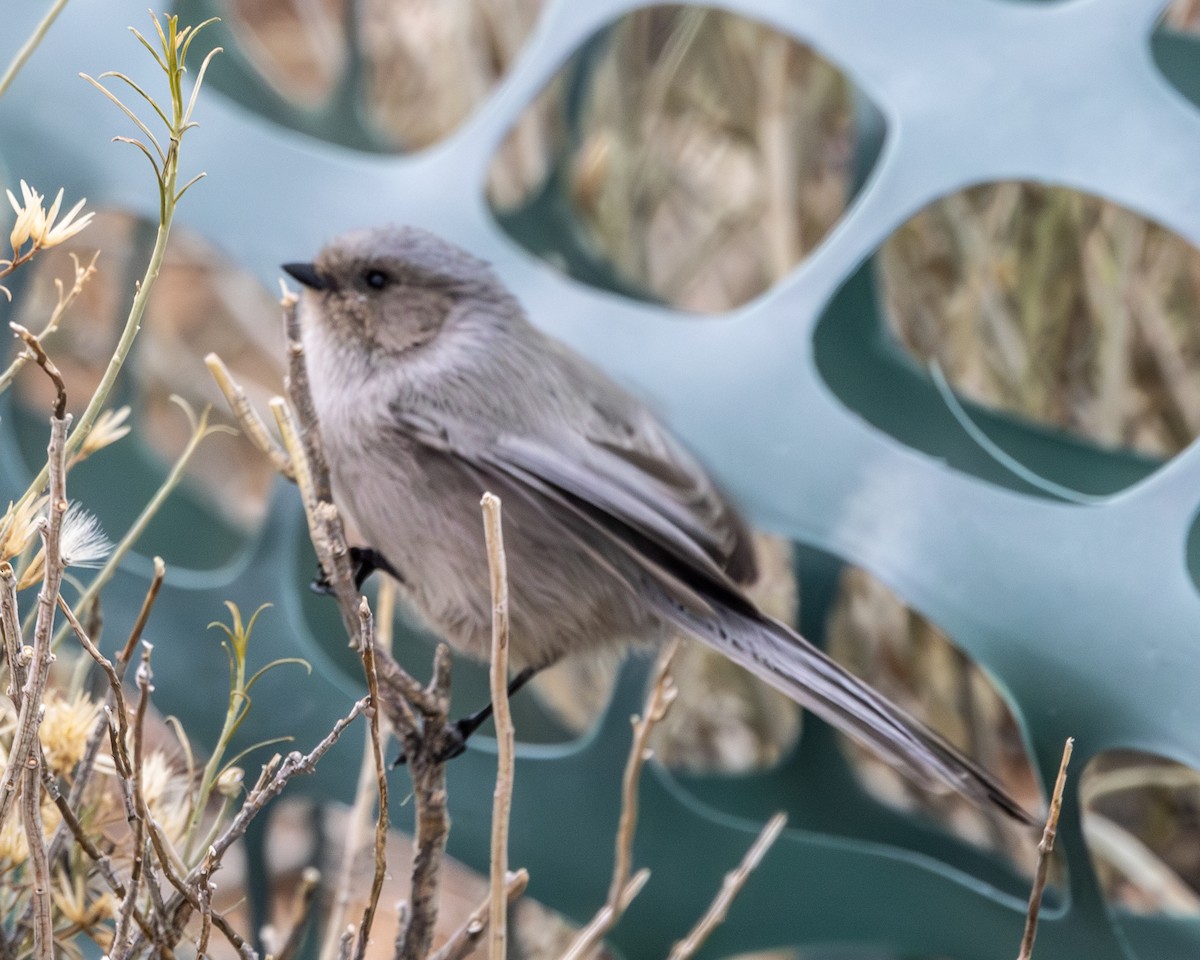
431	387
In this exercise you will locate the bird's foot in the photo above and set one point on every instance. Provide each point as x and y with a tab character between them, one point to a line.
454	738
364	561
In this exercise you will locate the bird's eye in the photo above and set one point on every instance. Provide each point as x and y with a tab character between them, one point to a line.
376	279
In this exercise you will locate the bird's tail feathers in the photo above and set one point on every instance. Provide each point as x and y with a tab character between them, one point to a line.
784	659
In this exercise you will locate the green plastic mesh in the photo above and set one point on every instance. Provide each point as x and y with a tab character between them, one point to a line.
806	411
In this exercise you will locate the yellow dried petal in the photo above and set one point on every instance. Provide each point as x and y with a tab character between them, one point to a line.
66	727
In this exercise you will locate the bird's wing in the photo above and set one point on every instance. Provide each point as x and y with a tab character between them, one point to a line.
623	446
658	548
627	476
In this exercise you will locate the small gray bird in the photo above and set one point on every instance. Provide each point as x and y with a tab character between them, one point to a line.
432	387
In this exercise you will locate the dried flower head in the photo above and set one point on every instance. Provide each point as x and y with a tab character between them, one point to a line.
109	427
14	851
19	525
165	787
82	543
81	903
35	224
66	726
229	783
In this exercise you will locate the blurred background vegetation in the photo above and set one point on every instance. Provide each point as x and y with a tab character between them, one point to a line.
709	157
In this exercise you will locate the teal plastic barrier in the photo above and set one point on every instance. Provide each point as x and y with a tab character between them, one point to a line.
820	428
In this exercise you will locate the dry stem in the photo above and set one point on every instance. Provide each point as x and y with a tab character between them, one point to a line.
399	695
381	786
275	775
731	887
306	896
622	889
65	299
251	423
1045	848
467	937
21	753
502	796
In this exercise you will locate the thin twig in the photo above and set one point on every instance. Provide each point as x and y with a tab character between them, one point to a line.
114	699
156	582
122	946
467	937
30	45
29	717
425	758
376	748
605	919
35	841
65	299
502	796
662	695
275	775
200	430
622	889
346	943
38	352
730	888
243	411
10	625
306	895
1045	848
301	396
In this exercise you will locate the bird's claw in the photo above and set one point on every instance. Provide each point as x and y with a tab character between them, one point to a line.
363	562
453	743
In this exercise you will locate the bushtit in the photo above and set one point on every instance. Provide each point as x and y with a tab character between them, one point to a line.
432	387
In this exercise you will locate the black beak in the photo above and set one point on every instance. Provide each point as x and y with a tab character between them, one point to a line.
307	274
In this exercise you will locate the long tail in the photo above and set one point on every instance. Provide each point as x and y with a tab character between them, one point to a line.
783	658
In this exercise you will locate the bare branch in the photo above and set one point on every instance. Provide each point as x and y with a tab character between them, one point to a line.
426	763
273	778
301	396
38	353
732	886
502	796
467	937
35	841
156	582
376	749
622	889
29	717
1045	848
252	424
606	918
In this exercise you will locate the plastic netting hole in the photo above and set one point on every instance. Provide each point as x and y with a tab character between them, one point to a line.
298	46
1141	821
200	303
375	75
912	661
1064	321
685	155
1173	46
1055	306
